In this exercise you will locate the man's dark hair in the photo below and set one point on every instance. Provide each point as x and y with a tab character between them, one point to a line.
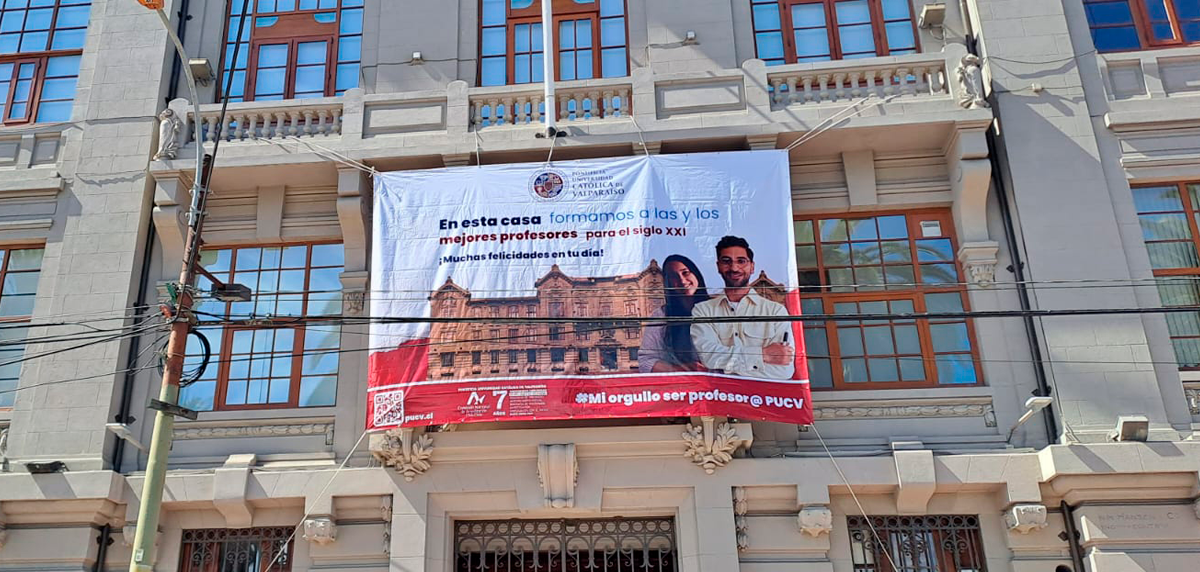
728	241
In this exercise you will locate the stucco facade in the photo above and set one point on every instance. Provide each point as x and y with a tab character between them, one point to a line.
1043	161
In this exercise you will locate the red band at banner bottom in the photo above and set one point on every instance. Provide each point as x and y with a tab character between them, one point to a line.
583	397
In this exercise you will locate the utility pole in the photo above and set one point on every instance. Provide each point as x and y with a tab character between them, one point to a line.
166	405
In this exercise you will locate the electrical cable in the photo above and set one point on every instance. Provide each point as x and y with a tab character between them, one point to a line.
252	320
316	501
108	339
878	539
73	379
191	377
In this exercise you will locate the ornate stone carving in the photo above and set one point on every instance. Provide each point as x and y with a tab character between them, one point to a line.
407	452
970	83
169	127
353	302
558	471
740	507
902	410
1192	394
320	530
815	520
979	258
711	447
185	432
1025	518
3	447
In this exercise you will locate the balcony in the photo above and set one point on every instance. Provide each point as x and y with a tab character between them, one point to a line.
752	101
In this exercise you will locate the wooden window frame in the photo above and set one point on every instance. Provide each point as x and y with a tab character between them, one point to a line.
916	293
41	60
297	324
878	28
1190	213
293	28
9	321
1145	28
564	10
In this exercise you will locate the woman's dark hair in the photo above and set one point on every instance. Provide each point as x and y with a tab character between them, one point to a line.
678	336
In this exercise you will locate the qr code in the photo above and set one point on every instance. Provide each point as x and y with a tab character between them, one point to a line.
389	408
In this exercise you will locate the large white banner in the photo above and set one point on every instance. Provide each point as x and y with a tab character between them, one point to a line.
601	288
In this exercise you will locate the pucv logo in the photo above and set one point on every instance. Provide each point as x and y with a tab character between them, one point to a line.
548	185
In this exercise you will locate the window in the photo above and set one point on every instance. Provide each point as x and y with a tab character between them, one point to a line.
513	335
555	333
558	355
886	264
633	354
282	362
494	357
40	46
583	355
512	356
798	31
916	544
236	550
476	358
1169	219
293	49
20	268
590	36
531	356
608	358
609	544
1121	25
447	359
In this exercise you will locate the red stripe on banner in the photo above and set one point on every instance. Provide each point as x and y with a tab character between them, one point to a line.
590	397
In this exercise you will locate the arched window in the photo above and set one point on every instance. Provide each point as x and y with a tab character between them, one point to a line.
591	40
798	31
293	49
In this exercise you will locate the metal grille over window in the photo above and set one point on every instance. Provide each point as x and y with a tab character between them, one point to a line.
236	550
559	545
916	544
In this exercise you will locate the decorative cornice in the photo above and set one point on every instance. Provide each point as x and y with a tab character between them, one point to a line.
907	408
264	428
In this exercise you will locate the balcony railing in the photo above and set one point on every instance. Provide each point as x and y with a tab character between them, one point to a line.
270	120
578	102
831	82
752	98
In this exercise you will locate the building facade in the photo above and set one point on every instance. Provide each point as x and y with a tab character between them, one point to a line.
1034	162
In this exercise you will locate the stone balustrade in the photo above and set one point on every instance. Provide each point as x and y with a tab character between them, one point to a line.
749	98
269	120
920	75
593	100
